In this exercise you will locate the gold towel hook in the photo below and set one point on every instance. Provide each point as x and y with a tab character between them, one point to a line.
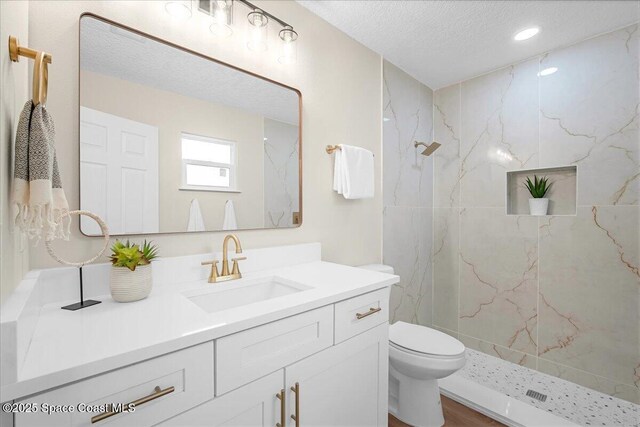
16	51
40	79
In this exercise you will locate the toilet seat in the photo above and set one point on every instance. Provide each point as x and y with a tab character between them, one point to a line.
424	341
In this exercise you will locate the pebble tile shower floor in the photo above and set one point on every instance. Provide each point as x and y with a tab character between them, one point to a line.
564	399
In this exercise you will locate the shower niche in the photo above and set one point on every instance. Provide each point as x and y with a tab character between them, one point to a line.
562	195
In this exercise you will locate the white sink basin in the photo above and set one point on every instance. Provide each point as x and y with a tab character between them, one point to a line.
235	293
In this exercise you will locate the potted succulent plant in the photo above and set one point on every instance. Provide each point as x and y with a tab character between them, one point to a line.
131	270
538	204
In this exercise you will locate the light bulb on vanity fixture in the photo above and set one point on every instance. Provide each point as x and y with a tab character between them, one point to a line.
289	49
257	31
179	9
222	17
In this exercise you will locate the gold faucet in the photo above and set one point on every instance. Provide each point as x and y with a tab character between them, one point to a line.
235	270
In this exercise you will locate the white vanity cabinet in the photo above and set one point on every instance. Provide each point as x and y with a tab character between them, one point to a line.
323	367
345	385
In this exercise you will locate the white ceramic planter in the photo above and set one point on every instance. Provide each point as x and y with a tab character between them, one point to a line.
538	207
127	285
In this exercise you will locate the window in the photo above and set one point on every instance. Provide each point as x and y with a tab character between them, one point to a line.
208	164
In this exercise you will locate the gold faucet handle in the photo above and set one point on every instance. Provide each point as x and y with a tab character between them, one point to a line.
214	269
236	268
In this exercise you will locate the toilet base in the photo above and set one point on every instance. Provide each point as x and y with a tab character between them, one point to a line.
415	402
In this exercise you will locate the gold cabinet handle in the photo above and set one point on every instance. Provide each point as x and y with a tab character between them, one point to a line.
283	410
371	311
296	417
157	392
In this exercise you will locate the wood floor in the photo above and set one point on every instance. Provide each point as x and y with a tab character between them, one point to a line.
456	415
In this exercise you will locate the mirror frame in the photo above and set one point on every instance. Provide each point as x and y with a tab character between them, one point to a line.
208	58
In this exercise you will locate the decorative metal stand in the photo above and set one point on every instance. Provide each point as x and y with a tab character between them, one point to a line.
82	303
105	232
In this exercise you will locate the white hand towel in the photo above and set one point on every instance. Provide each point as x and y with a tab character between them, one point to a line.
337	171
354	178
38	196
229	217
196	223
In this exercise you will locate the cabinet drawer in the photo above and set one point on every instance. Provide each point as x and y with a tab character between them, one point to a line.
184	379
251	354
356	315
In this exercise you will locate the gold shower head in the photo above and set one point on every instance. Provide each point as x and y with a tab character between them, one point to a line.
429	149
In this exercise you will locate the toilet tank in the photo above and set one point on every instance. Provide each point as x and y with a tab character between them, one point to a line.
378	267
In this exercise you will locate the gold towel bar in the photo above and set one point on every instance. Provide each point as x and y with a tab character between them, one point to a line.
332	148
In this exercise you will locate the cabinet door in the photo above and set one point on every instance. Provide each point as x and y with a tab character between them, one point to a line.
345	385
254	405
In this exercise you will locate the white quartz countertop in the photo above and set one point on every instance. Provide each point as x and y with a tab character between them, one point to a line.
67	346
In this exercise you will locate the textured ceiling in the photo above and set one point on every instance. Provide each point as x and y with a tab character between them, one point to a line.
120	53
444	42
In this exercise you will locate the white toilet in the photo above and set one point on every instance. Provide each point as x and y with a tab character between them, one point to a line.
418	357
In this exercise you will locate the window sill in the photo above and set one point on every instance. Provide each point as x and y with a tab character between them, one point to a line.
208	189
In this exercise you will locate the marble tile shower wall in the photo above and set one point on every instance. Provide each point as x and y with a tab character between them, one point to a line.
560	294
281	173
407	194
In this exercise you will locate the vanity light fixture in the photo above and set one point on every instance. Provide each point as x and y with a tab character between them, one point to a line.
526	34
547	71
221	17
258	21
288	49
179	9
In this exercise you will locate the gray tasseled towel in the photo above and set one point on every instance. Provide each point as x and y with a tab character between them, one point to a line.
37	190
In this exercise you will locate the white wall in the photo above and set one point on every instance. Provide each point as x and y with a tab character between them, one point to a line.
340	81
173	114
15	82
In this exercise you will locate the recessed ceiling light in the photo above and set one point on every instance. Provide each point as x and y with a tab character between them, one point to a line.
548	71
385	119
526	34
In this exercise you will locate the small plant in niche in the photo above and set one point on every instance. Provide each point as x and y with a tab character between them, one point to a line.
131	278
538	188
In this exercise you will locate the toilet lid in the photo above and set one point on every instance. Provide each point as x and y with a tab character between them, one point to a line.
424	340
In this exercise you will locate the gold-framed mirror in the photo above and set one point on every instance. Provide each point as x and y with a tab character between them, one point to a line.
174	141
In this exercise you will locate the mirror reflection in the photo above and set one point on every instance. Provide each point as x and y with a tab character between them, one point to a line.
171	141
